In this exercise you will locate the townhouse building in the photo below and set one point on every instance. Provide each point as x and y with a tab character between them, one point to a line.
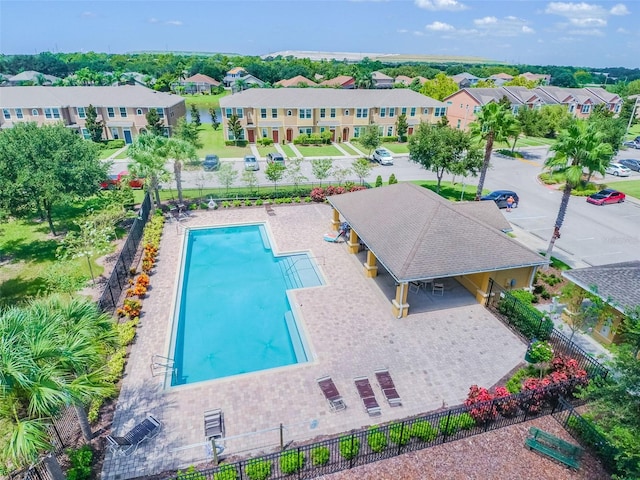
122	108
284	113
463	105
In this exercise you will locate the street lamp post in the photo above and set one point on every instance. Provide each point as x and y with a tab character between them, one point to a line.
633	114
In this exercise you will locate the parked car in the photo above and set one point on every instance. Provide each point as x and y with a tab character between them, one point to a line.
113	181
630	163
211	162
251	163
631	144
275	157
501	196
383	156
617	170
608	195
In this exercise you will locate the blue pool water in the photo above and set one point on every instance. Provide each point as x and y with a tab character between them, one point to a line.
234	316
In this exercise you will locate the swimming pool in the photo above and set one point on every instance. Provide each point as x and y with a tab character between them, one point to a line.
232	312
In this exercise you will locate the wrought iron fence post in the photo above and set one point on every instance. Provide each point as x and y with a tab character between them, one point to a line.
62	445
351	456
401	437
281	438
298	464
445	434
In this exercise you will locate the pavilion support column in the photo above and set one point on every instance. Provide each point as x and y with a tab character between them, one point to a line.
399	305
335	221
354	242
370	267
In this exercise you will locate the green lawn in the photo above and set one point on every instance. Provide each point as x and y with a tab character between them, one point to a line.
205	101
347	149
29	250
264	150
396	147
631	188
288	152
319	151
107	152
450	191
213	142
634	131
526	142
123	154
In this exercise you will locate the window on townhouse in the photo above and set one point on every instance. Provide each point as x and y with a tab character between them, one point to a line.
274	113
357	131
81	112
111	112
323	112
160	111
56	112
304	131
389	130
263	113
47	113
289	113
123	111
392	112
139	111
265	133
380	130
413	112
6	113
439	111
228	112
346	112
459	123
85	134
332	113
572	108
477	108
383	112
19	113
34	112
240	137
362	113
425	111
514	109
240	112
304	113
403	111
586	108
616	109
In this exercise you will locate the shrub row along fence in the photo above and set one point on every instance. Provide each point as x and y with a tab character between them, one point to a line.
386	441
589	437
529	322
119	278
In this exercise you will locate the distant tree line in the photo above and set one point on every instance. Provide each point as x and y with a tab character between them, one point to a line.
169	67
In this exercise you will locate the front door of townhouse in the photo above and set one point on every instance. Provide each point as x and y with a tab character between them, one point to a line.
333	134
345	134
289	135
410	131
252	135
127	137
274	132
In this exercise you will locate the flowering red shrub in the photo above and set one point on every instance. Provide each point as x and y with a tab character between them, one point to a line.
143	279
357	188
506	405
570	367
331	190
537	387
318	194
481	408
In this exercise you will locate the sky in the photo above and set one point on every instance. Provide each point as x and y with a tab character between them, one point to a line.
589	34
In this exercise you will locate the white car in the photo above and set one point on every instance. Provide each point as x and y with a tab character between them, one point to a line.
383	156
618	170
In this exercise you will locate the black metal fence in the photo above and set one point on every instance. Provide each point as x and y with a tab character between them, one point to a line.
34	472
530	323
386	441
120	275
588	436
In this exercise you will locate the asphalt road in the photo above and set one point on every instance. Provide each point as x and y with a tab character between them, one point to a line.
590	235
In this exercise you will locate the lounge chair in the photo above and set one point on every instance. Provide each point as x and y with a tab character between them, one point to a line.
127	444
333	238
368	397
336	403
213	424
388	387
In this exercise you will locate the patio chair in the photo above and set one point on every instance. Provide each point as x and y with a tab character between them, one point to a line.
128	443
333	238
367	396
437	289
214	424
336	403
388	387
414	287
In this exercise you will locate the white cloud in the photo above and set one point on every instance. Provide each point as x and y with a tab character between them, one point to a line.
450	5
153	20
403	30
88	14
177	23
594	32
485	21
526	29
619	9
588	22
575	10
439	27
418	33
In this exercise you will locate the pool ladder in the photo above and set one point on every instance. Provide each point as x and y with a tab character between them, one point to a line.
161	365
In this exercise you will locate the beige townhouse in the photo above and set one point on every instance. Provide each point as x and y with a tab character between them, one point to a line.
122	108
284	113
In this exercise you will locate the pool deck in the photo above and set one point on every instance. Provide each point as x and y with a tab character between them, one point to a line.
434	355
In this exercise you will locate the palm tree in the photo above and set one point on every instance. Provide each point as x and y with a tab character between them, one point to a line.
579	146
493	123
52	354
149	161
240	85
178	150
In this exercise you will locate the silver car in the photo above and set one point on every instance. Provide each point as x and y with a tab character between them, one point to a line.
617	170
251	163
383	156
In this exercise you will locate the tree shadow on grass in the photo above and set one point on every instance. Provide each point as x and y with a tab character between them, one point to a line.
19	290
30	250
451	192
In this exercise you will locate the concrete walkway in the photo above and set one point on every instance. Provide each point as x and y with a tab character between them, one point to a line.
357	150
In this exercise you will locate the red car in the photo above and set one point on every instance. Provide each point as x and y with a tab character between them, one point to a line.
114	180
605	196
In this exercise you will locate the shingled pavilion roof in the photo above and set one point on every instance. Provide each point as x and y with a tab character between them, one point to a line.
416	234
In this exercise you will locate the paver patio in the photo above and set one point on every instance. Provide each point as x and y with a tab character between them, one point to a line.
433	355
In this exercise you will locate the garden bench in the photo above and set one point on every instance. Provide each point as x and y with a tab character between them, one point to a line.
554	447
